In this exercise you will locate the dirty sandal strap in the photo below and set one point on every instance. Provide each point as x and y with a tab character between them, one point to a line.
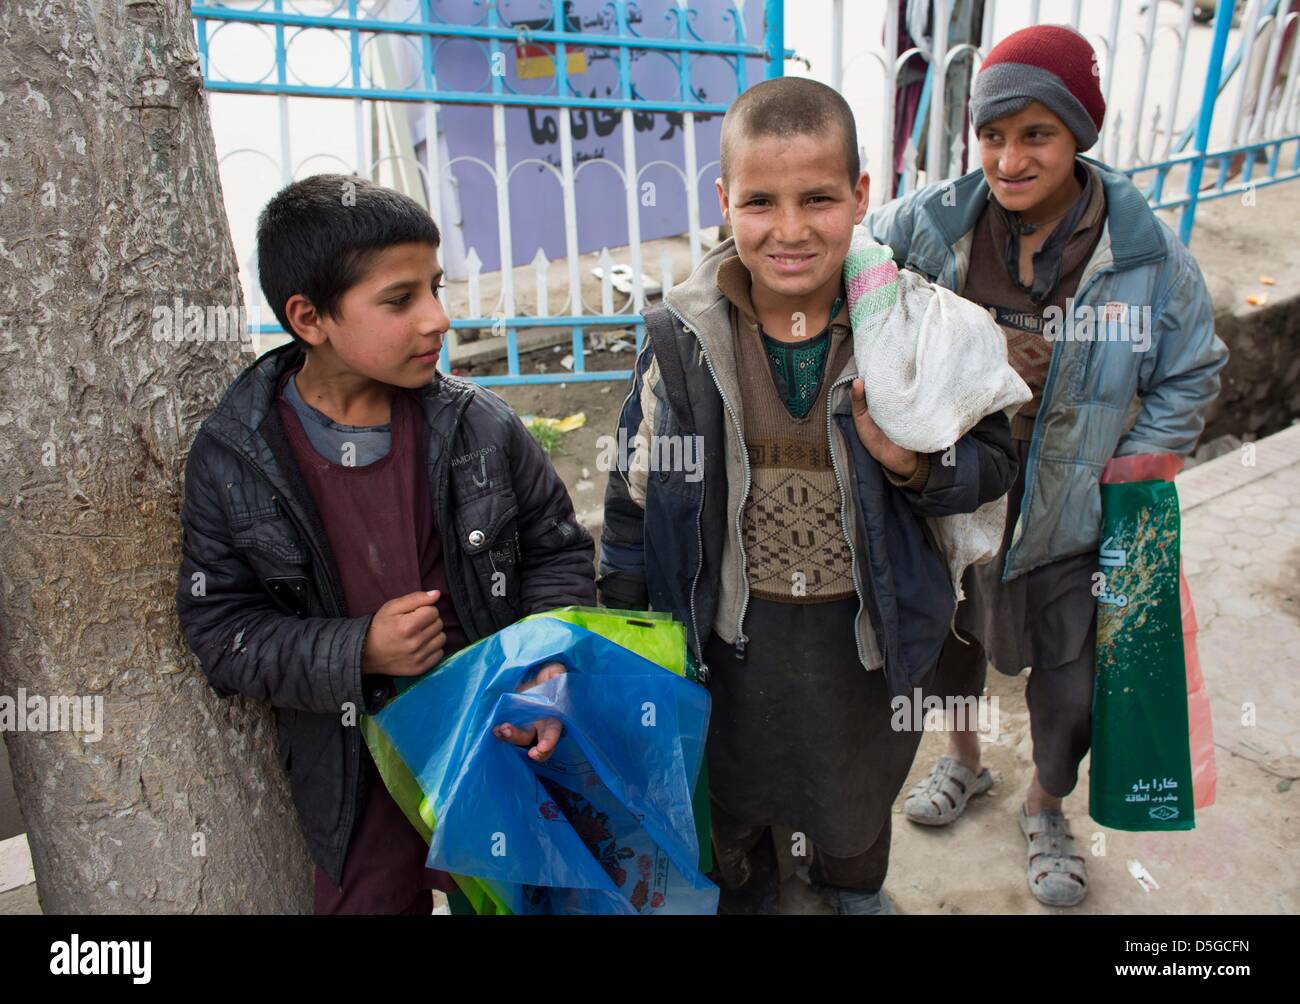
1055	873
942	795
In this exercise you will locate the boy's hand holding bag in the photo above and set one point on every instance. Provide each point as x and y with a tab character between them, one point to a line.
889	454
606	813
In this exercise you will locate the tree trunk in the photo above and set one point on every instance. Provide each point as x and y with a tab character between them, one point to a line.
110	210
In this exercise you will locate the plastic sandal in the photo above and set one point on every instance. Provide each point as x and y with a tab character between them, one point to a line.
942	796
1055	873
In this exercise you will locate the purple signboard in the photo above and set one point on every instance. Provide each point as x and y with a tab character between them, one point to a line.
533	134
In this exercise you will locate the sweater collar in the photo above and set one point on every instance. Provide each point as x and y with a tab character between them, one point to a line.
1066	247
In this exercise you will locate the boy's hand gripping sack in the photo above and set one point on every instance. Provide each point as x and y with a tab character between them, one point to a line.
933	364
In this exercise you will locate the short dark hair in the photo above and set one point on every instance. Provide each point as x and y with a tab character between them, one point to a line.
789	106
319	236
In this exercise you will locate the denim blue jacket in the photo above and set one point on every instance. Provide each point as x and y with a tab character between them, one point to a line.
1141	335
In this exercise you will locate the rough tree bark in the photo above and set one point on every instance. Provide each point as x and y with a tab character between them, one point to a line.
110	206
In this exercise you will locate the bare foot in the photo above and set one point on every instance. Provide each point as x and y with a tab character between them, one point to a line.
1038	800
964	747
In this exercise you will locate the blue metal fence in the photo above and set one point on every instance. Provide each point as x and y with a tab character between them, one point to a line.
492	34
1260	123
1263	71
1215	83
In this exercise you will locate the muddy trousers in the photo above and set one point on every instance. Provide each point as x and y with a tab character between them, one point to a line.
738	845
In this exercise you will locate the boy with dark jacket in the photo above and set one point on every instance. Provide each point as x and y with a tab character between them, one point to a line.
351	516
800	561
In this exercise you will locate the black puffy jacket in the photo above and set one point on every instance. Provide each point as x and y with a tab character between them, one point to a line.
258	591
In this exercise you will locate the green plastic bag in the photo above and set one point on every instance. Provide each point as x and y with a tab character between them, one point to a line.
652	635
1141	776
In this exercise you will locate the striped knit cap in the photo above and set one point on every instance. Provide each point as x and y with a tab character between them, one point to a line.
1047	63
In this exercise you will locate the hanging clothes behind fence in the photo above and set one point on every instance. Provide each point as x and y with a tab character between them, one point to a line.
916	29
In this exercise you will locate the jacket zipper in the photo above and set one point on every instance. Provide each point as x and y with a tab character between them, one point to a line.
741	640
442	513
844	518
624	408
1049	383
702	673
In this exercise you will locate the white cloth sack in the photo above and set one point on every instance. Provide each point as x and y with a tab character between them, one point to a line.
932	366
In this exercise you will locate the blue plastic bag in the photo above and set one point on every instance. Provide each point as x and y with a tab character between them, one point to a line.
605	825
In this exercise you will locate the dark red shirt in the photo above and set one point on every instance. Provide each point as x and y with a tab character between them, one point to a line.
379	522
379	517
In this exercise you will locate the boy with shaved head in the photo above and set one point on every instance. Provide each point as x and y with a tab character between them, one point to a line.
800	563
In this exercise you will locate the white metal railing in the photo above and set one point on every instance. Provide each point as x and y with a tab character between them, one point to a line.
370	64
1148	128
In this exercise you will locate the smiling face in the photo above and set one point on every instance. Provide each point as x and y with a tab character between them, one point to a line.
1028	160
390	325
792	209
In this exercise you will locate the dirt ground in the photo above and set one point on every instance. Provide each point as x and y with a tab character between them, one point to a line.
576	456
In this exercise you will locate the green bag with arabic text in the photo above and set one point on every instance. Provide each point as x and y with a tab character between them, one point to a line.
1141	775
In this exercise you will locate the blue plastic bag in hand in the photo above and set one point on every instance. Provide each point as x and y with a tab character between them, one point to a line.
605	825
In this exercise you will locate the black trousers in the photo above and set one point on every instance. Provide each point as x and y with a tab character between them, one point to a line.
803	736
735	842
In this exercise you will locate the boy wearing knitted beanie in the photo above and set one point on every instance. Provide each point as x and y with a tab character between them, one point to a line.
797	552
1108	321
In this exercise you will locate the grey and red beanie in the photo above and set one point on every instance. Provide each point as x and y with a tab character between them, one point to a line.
1047	63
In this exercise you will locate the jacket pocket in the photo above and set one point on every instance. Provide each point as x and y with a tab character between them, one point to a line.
258	524
479	472
487	535
1103	368
248	502
275	539
291	593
